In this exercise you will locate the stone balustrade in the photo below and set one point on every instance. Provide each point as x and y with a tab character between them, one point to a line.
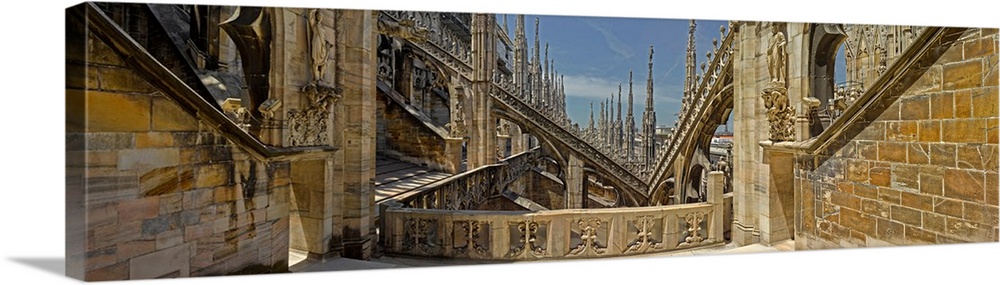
556	234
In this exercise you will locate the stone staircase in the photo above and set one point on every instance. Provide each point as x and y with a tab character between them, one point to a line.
394	177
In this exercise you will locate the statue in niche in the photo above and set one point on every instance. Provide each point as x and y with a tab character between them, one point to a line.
776	56
319	47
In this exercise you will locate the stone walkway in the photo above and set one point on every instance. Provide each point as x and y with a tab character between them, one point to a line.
341	264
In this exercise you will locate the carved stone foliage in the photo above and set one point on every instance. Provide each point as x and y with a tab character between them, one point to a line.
526	245
780	114
386	57
309	126
469	235
645	238
456	128
692	230
589	244
420	235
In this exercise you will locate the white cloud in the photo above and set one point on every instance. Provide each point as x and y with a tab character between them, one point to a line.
591	88
614	43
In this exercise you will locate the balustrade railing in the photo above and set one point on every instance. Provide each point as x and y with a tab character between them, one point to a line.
556	234
469	189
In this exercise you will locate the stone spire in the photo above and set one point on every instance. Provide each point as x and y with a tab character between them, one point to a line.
520	58
630	124
590	123
649	121
690	61
505	30
536	76
546	83
601	126
617	132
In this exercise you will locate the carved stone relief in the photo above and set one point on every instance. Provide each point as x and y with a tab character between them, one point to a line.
589	244
309	127
420	234
526	245
645	239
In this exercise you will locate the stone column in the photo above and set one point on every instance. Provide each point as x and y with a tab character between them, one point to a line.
516	139
776	219
482	128
355	162
716	185
749	127
575	193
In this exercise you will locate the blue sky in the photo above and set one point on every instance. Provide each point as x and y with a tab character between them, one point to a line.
596	53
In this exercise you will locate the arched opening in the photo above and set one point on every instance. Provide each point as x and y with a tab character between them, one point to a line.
825	42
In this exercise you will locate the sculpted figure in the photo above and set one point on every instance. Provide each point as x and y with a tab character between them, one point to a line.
776	57
319	47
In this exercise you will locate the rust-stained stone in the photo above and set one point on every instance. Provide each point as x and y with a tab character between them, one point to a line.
990	72
845	200
929	131
943	105
212	175
978	48
984	103
874	131
914	107
122	80
918	153
963	104
982	214
902	131
159	181
992	188
890	231
943	155
964	130
948	207
906	215
969	157
857	170
874	208
880	176
866	190
962	75
964	184
915	235
906	177
867	150
168	116
889	195
130	112
930	81
892	151
933	222
969	231
992	136
857	221
917	201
